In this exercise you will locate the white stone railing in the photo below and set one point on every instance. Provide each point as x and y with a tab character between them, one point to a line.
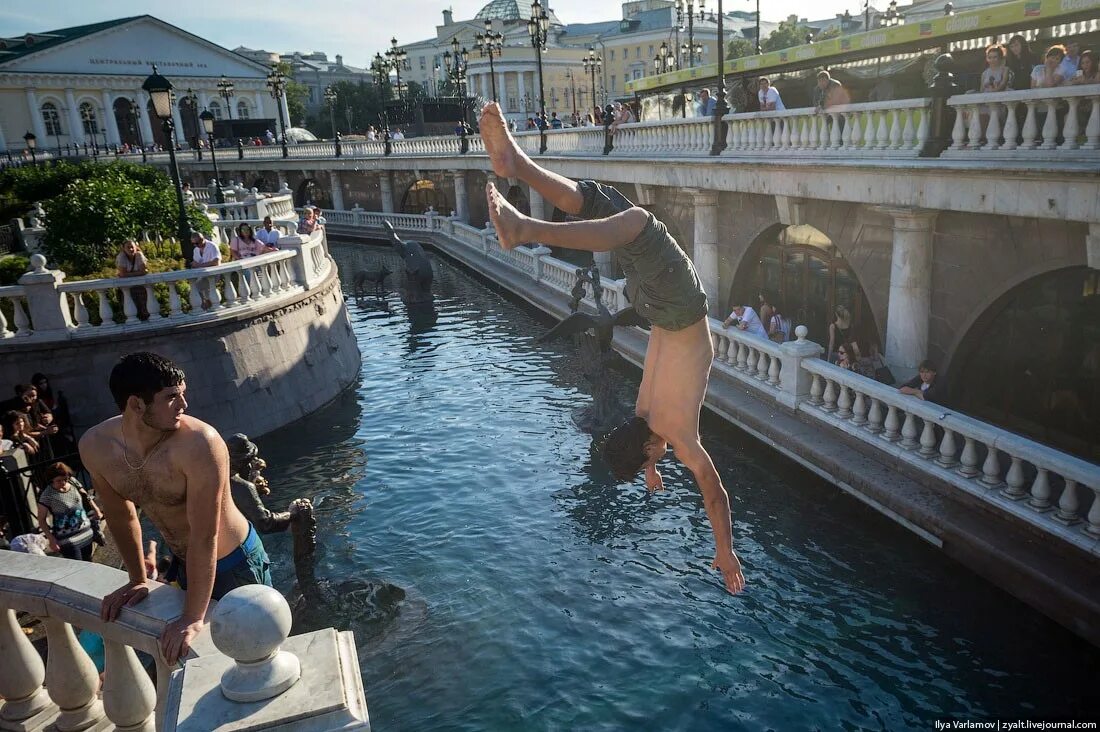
250	623
1060	123
1040	485
46	308
433	145
1055	492
310	150
694	136
879	129
363	148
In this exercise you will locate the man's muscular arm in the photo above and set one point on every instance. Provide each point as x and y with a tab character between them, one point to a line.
717	505
207	475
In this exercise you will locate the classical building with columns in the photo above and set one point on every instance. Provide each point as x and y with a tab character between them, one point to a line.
82	85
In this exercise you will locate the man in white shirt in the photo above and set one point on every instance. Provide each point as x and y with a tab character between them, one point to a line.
206	252
397	134
768	96
1072	61
746	319
268	234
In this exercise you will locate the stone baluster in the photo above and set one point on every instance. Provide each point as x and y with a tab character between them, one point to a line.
856	136
829	397
882	135
71	679
816	390
4	332
175	305
946	458
128	695
761	365
106	315
1040	491
229	292
79	310
1050	125
974	132
1012	128
742	356
811	142
958	132
895	129
1031	127
195	296
823	138
129	308
27	705
928	446
1093	518
908	131
151	302
844	402
1092	127
859	408
773	371
1014	480
875	417
922	129
891	430
244	291
1069	503
909	431
991	468
834	131
968	461
993	130
1071	128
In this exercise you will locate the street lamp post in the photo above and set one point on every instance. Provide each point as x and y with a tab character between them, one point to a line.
193	102
692	49
456	71
720	107
135	123
592	64
490	44
397	59
381	75
538	27
32	144
225	89
573	88
207	118
276	84
160	92
331	97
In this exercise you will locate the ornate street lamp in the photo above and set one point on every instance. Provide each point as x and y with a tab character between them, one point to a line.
225	89
135	122
721	109
490	44
692	47
330	99
397	60
276	84
457	71
593	63
32	144
538	27
193	102
159	90
381	74
664	61
207	118
892	17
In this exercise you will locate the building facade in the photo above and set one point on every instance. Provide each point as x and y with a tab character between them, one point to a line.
82	85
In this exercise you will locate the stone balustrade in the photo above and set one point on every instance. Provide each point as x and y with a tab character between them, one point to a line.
46	308
1056	493
251	626
1058	124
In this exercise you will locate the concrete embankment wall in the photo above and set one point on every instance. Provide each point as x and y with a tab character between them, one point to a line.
250	374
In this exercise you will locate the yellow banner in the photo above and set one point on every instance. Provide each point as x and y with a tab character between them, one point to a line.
1014	14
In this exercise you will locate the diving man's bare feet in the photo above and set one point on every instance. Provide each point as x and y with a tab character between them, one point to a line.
503	152
506	219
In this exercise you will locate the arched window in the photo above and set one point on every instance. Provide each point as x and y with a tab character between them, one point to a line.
52	119
242	110
88	119
216	110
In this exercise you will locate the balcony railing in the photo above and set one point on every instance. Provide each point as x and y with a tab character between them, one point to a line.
1056	493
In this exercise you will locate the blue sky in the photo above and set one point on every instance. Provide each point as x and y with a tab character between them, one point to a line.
355	29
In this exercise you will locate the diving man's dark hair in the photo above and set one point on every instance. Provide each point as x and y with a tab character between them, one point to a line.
142	374
624	449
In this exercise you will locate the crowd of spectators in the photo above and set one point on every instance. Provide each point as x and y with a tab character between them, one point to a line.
36	420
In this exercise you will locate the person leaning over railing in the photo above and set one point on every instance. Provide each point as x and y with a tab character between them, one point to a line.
926	385
1049	73
131	262
1087	73
268	234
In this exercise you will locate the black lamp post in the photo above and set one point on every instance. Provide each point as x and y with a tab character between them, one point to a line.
193	102
490	44
135	123
276	84
225	89
693	49
330	99
381	75
538	28
892	17
758	49
208	118
159	90
721	109
32	144
397	58
592	63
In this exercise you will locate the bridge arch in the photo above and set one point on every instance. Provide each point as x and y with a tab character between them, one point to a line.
310	190
423	194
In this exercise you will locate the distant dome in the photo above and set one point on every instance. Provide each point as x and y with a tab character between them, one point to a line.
510	10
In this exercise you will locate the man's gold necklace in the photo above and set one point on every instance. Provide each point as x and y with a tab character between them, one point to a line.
148	455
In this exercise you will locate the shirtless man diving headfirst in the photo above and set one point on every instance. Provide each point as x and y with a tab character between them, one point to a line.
176	468
663	288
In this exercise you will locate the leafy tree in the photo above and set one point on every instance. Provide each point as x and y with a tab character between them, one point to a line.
825	35
789	33
363	101
35	183
740	47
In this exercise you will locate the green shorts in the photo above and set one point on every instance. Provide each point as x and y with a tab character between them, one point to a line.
661	282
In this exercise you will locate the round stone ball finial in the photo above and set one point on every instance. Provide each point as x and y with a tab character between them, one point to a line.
38	263
249	625
801	332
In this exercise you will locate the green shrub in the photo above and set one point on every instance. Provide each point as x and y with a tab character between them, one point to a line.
39	183
12	268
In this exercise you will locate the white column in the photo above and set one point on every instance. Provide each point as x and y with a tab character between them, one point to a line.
337	188
146	125
76	131
910	306
385	183
36	117
111	123
502	91
462	205
261	107
4	142
538	204
705	251
178	122
522	88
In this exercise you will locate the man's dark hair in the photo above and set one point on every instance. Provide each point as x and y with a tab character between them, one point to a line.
927	365
624	449
142	375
